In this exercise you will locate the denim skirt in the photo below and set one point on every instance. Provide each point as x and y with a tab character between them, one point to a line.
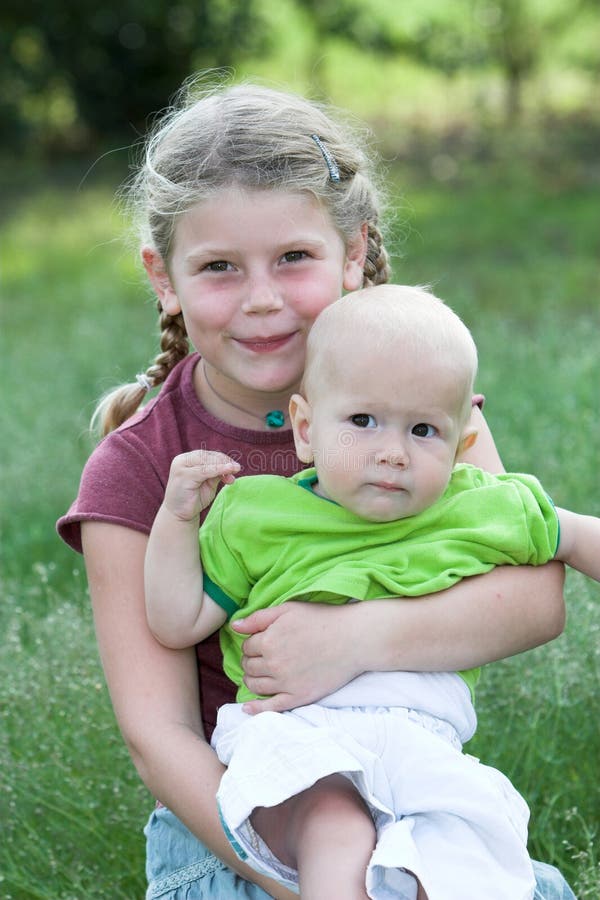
179	867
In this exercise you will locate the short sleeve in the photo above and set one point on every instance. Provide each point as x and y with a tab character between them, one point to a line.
540	519
120	485
226	579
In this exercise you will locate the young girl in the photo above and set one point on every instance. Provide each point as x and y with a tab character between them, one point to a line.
257	210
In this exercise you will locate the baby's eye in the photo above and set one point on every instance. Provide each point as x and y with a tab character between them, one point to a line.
294	256
424	430
363	420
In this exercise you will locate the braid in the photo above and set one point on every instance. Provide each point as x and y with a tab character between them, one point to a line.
377	265
122	402
174	345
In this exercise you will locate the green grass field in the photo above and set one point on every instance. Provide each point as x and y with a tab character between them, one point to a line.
518	258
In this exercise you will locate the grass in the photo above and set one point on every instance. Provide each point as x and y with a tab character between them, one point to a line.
72	804
516	254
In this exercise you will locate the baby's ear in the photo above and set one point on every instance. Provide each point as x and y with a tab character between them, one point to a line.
300	415
469	436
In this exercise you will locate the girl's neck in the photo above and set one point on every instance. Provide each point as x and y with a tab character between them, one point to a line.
239	406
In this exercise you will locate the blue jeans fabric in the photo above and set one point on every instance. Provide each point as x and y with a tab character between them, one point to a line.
179	867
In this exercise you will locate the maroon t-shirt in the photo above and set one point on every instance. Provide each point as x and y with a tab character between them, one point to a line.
124	482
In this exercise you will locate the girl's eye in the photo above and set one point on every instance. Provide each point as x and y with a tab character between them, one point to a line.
363	420
424	430
219	265
293	256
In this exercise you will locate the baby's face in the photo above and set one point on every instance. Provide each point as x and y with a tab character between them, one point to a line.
384	433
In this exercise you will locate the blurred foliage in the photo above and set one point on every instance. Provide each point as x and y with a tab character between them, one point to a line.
85	71
510	35
80	76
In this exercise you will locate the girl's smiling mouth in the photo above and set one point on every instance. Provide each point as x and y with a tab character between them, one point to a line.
266	344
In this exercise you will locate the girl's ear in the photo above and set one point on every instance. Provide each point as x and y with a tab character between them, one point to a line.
300	414
356	254
160	280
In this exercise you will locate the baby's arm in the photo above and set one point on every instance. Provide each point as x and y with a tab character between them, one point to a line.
179	613
579	544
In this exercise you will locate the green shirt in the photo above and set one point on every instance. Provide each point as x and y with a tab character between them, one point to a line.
268	539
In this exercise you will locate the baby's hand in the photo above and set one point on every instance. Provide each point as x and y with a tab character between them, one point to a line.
193	481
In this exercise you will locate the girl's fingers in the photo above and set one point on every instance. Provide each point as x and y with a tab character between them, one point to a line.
275	703
256	623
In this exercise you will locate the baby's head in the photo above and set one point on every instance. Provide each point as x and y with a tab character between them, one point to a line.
407	325
386	400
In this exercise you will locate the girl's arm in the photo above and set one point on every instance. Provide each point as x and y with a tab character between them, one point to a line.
299	652
154	692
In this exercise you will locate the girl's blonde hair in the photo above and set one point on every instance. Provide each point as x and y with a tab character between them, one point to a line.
253	137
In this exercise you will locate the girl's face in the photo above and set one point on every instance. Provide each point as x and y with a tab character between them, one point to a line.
250	271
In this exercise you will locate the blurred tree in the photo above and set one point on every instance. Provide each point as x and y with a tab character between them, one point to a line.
510	35
516	34
100	69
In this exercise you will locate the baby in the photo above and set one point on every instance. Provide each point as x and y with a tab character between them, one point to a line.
386	511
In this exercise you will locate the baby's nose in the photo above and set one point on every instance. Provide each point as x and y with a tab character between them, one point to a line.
393	456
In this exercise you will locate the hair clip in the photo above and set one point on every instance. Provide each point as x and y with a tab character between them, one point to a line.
144	382
334	172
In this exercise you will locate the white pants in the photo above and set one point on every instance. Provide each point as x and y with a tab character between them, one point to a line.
459	826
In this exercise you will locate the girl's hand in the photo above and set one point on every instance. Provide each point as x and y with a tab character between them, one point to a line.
299	652
296	653
193	481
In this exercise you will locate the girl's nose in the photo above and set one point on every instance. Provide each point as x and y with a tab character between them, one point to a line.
261	297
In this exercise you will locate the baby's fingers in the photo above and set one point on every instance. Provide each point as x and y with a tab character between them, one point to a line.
205	464
191	470
193	481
